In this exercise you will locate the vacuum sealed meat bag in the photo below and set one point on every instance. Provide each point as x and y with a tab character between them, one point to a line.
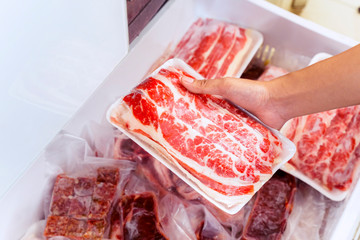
272	207
135	214
218	149
80	205
82	189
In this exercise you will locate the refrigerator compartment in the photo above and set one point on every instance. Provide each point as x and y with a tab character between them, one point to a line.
156	38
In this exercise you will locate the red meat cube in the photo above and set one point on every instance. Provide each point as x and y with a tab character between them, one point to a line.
95	229
84	186
56	226
105	191
60	206
76	229
64	186
108	174
80	207
99	209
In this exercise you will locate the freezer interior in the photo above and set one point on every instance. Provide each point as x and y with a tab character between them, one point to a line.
295	41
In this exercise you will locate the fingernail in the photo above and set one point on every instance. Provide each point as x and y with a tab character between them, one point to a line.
187	79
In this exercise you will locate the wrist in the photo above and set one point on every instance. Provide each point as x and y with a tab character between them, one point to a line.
280	98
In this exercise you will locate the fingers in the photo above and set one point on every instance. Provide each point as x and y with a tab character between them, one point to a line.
206	86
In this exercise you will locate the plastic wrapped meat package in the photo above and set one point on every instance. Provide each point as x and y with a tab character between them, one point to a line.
81	190
328	152
328	148
151	199
217	49
283	208
184	214
214	48
215	147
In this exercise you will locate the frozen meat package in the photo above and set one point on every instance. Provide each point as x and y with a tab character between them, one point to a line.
81	192
80	205
217	49
328	148
220	150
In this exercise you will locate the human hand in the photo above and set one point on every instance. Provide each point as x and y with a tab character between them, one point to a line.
254	96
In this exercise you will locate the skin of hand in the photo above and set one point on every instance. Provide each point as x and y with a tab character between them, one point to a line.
252	95
328	84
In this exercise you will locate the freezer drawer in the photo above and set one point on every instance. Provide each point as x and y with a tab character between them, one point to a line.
292	36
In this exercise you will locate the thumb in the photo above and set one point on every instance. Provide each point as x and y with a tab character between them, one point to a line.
204	86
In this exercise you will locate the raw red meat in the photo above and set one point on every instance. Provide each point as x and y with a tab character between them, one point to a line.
273	205
99	208
214	48
84	186
221	146
125	148
64	186
116	228
154	171
95	229
272	72
79	206
105	190
60	205
76	229
140	220
327	146
108	175
56	226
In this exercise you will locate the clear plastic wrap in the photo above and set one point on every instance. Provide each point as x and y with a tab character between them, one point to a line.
179	211
188	132
314	216
81	190
218	49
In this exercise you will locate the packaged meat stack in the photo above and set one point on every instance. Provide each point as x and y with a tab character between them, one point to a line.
136	217
268	218
215	147
80	205
328	150
217	49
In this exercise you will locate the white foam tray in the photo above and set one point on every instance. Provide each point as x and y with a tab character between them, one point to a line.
22	204
288	148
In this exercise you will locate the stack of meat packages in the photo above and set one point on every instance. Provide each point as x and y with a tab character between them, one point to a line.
96	207
265	217
156	204
328	149
214	49
328	145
